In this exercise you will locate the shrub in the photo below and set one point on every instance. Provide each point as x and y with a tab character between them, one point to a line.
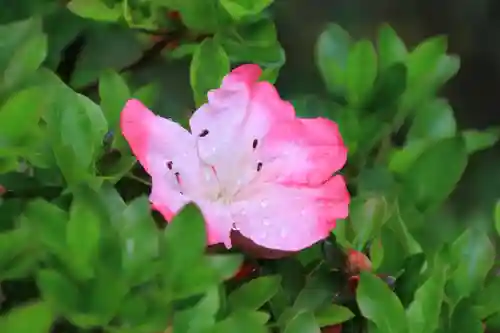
81	250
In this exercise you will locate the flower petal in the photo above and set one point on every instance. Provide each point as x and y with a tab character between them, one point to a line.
218	222
286	218
168	153
233	122
303	151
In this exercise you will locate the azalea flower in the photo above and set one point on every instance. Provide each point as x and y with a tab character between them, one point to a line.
249	163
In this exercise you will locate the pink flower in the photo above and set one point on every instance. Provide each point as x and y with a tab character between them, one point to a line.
248	163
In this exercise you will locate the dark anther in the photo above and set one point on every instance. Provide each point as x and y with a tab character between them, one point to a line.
177	174
254	143
259	166
204	133
169	165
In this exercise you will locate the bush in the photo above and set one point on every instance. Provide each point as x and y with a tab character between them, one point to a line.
82	251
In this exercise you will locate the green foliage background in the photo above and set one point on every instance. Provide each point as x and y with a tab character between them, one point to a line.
80	250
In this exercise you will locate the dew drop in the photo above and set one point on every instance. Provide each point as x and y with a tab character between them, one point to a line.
266	222
283	233
264	203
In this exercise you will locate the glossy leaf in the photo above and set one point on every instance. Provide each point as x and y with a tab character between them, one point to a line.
332	315
114	93
367	216
428	180
83	234
332	51
26	58
185	239
391	48
95	10
252	295
474	255
31	318
434	120
244	8
380	305
476	140
209	65
302	322
361	71
424	312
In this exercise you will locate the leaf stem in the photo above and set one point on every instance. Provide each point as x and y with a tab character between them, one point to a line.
139	179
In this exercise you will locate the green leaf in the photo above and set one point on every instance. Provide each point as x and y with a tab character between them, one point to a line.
476	140
107	46
391	48
424	312
400	160
332	315
48	224
185	239
200	316
408	282
19	115
139	236
486	302
205	16
209	65
76	127
26	59
380	305
32	318
255	42
367	216
83	234
332	50
465	320
240	9
316	292
434	120
302	322
388	89
255	293
474	255
58	291
242	322
425	58
114	93
361	72
225	265
95	10
428	180
14	34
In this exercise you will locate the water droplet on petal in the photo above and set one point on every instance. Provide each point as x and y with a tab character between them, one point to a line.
266	222
283	233
264	203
